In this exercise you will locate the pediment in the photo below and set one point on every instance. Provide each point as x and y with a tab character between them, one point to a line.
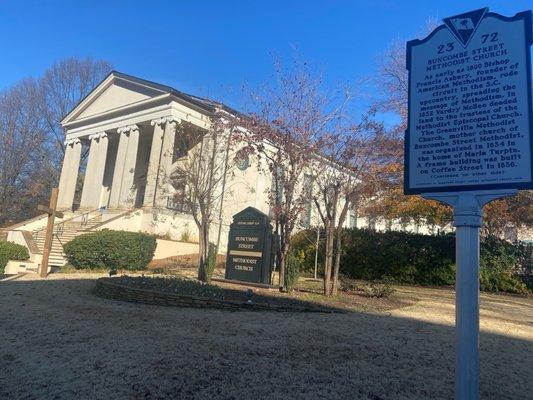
113	93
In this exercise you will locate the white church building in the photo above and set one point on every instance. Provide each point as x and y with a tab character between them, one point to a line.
130	127
126	128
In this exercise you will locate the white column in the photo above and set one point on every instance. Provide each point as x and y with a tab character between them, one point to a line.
88	182
69	174
153	164
128	190
103	142
165	166
94	173
122	148
123	191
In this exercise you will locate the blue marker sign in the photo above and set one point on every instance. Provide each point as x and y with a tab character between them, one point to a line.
470	125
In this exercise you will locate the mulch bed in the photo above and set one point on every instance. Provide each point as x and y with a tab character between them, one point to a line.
187	292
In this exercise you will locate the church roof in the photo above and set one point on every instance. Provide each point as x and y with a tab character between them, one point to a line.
207	104
147	89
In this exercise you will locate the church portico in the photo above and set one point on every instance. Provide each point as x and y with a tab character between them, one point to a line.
128	127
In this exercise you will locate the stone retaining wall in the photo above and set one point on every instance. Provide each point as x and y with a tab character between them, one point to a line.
105	287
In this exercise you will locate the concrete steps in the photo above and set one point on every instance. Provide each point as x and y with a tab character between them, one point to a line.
64	232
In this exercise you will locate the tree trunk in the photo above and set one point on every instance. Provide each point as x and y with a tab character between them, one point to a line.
283	248
338	249
281	262
203	252
328	261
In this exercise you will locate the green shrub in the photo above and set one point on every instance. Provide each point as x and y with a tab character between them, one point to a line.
111	249
416	259
11	251
211	261
305	242
379	289
292	269
501	264
369	255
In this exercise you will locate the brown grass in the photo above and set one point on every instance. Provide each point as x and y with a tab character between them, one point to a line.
59	341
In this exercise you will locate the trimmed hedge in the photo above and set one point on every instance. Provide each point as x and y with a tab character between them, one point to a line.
11	251
416	259
111	249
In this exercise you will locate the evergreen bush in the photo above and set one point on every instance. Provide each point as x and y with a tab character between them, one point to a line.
292	269
11	251
415	258
111	249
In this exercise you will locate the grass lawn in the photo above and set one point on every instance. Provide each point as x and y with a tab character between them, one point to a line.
59	341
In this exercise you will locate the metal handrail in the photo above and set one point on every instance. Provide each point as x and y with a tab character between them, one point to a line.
60	227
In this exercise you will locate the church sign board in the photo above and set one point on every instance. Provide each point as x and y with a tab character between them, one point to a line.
469	124
249	256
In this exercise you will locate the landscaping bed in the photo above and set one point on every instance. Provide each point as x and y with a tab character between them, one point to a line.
173	291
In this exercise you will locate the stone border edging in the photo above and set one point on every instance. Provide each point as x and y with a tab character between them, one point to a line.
107	289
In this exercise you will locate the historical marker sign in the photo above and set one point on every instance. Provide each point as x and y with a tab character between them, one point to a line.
470	124
469	141
249	247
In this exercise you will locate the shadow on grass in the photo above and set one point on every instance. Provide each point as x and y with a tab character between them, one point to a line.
60	342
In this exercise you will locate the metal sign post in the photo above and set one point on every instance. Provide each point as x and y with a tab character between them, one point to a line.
467	219
469	141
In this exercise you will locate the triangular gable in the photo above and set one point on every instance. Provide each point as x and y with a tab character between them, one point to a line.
115	92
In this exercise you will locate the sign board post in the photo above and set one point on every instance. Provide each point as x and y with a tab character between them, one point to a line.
469	141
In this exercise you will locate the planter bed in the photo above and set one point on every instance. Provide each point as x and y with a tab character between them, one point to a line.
188	293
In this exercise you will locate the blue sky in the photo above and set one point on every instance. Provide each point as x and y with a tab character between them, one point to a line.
211	48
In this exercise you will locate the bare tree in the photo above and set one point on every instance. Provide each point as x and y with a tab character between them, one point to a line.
24	153
284	131
31	138
384	184
392	83
338	187
63	86
200	176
